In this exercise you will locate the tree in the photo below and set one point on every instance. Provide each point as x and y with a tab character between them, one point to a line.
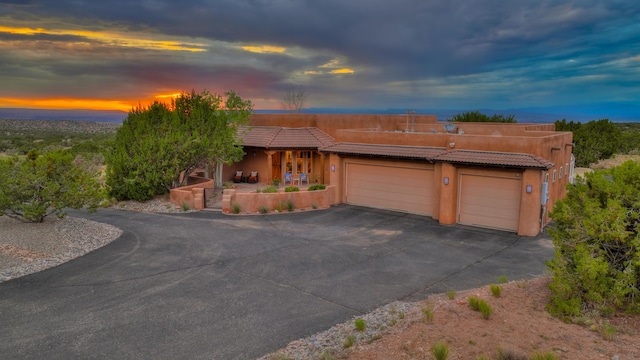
593	141
476	116
596	266
158	146
293	99
38	186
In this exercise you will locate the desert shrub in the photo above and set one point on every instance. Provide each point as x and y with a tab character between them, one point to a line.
349	342
263	210
473	302
596	266
451	294
276	182
317	187
496	290
360	324
440	351
270	189
290	205
185	206
485	309
502	279
235	208
37	186
291	189
543	356
428	314
314	206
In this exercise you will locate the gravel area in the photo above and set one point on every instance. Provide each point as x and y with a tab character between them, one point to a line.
340	338
26	248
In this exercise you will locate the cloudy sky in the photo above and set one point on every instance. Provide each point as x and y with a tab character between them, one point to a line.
115	54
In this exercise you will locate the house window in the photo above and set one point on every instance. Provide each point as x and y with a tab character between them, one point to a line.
546	177
554	175
560	175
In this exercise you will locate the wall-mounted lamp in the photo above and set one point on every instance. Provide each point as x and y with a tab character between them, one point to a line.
529	189
446	180
333	168
254	154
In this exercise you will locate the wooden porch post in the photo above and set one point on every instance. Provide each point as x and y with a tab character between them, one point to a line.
270	166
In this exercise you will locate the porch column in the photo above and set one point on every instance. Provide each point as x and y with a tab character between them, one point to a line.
270	166
322	156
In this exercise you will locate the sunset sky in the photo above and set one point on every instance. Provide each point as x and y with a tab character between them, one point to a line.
115	54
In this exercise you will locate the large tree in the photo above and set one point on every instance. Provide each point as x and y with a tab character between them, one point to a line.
35	187
594	140
157	146
476	116
597	244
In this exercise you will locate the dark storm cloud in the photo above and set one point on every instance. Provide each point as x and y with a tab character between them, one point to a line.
409	49
406	38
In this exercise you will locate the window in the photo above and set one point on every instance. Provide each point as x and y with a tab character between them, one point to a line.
546	177
555	175
303	161
560	175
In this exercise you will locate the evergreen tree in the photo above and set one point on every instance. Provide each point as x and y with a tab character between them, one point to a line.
157	146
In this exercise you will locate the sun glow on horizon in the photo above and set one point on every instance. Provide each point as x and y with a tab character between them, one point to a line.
88	104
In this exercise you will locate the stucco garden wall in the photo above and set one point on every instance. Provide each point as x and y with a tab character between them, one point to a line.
191	195
252	202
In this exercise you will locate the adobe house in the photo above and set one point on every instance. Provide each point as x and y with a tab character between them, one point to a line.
495	175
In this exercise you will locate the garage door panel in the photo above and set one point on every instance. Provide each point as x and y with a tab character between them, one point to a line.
388	187
490	201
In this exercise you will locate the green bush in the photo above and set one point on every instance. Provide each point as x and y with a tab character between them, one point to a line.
263	210
235	208
317	187
37	186
291	189
496	290
596	266
360	324
270	189
440	351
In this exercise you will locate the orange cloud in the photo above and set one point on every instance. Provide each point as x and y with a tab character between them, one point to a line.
342	71
111	38
263	49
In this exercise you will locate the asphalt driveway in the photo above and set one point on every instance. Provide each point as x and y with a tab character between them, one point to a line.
210	286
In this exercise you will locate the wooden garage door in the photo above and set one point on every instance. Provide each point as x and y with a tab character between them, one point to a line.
388	187
489	201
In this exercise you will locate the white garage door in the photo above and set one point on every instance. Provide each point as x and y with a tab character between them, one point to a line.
389	187
489	201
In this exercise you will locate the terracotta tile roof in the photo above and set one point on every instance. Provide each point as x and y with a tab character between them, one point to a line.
388	151
500	159
435	154
273	137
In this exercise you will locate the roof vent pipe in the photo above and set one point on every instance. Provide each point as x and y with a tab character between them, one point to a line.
413	120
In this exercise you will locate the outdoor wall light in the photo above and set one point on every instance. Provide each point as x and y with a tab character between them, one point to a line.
529	189
254	154
446	180
333	168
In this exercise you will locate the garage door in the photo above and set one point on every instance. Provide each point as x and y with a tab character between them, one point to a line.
489	201
388	187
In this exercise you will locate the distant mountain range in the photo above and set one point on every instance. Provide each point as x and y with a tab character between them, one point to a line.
617	112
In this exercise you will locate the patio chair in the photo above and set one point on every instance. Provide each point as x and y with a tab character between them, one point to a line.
253	177
304	178
288	178
237	177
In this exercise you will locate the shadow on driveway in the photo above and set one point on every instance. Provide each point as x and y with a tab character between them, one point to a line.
207	285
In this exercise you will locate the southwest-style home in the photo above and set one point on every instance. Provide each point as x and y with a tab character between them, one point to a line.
495	175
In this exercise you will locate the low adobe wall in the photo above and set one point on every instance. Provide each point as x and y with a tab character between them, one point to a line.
192	195
304	199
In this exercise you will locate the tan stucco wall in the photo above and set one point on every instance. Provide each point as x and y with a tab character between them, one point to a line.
192	195
252	202
329	123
